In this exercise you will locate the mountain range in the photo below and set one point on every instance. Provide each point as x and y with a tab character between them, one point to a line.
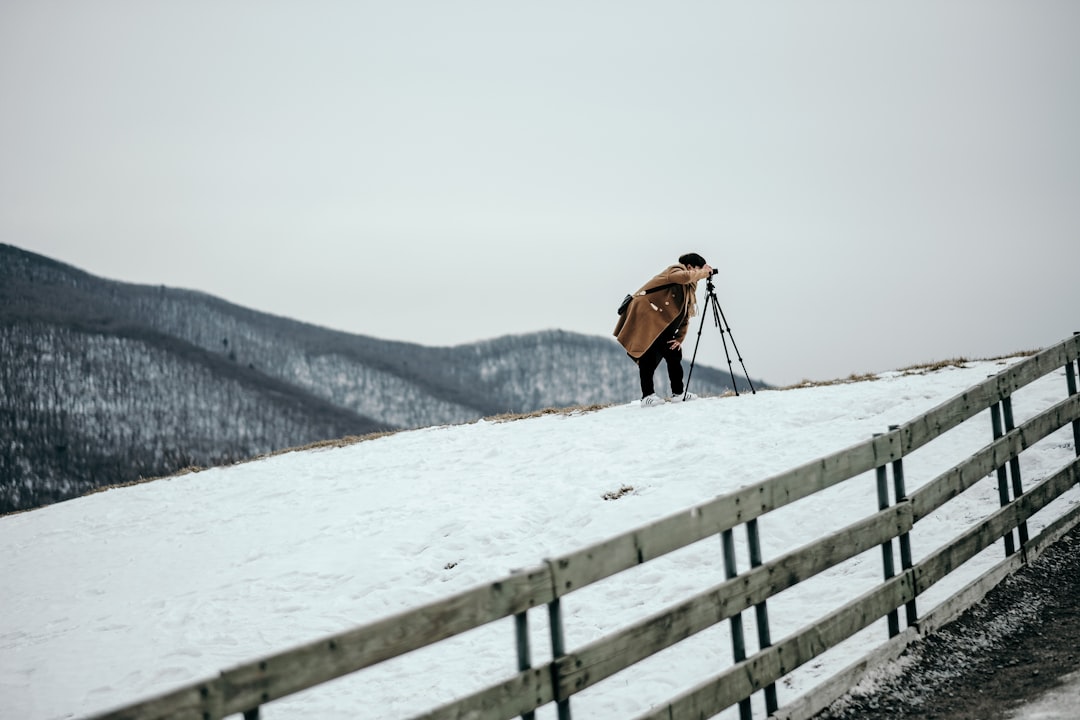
104	382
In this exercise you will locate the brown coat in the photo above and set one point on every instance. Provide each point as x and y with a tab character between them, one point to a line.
649	314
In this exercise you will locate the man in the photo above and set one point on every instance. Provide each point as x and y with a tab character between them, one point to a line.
655	323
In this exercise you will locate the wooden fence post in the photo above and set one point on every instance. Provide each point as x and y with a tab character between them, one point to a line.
521	631
761	611
1002	476
1070	380
900	493
882	473
1014	470
738	643
558	650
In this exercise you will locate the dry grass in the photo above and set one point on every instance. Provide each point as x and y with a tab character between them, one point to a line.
853	378
575	410
960	362
919	369
924	368
183	471
332	443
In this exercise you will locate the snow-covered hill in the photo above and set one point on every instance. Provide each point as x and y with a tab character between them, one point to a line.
122	595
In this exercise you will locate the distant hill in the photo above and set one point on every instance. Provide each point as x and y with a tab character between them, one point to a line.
105	382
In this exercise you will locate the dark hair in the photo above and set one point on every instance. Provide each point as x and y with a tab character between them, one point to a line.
692	260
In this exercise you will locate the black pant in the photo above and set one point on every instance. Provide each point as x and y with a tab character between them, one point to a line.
650	360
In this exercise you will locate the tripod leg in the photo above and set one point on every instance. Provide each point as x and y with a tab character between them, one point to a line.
723	338
737	353
686	387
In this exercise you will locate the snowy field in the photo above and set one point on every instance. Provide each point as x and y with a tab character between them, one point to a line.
129	593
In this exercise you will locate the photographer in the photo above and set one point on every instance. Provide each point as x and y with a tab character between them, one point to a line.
654	325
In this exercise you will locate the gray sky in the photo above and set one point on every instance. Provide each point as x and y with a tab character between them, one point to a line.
879	184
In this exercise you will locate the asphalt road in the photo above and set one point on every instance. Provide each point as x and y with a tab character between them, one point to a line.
1013	656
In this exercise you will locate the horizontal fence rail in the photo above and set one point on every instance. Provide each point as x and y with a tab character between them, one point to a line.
246	688
609	655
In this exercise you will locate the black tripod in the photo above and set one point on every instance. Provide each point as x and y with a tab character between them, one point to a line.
725	329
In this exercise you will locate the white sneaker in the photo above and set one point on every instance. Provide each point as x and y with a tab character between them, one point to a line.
683	396
652	400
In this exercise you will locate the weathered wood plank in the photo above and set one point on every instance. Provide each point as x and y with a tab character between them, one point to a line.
200	701
964	476
1053	532
810	704
607	656
952	556
939	420
954	411
583	567
769	665
526	691
303	667
1045	492
946	559
952	482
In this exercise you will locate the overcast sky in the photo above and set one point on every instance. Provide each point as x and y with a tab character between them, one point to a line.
879	184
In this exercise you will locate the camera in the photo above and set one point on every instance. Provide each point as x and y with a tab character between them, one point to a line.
714	271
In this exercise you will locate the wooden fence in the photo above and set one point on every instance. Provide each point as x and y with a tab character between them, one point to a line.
244	689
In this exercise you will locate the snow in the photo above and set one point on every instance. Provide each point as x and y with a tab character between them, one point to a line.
1060	703
125	594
